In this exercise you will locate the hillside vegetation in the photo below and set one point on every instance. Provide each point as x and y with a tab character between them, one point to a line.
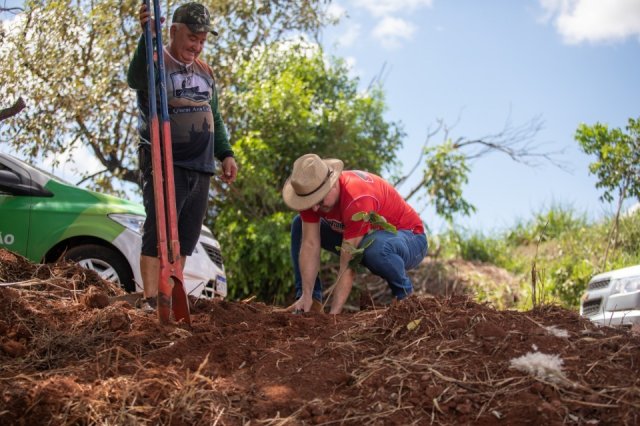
560	246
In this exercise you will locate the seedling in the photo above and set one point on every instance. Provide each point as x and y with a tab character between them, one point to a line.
377	222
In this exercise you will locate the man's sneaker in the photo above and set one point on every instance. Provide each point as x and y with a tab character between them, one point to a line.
147	305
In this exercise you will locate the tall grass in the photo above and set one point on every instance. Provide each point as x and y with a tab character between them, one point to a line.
556	252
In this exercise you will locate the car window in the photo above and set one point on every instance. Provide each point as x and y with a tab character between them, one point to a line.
49	175
34	170
8	178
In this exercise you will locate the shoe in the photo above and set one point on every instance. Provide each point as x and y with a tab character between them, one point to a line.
148	305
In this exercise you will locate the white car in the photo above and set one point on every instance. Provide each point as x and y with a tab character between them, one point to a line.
613	298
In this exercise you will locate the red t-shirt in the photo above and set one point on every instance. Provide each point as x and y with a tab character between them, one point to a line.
366	192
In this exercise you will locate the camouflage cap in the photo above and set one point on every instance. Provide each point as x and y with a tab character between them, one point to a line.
195	16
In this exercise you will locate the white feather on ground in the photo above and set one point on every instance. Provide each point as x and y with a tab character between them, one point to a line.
558	332
548	367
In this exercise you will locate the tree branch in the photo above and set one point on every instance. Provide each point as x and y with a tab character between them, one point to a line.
91	176
14	10
430	134
14	109
516	142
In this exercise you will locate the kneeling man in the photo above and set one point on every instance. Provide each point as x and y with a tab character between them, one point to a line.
327	198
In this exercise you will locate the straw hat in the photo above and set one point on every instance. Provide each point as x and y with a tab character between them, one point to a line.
310	181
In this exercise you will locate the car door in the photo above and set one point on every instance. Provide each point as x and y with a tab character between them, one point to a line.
15	207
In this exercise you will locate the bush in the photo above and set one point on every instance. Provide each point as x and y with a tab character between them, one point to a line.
257	257
567	251
546	225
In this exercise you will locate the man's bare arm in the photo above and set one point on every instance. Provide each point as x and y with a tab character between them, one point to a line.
309	262
345	276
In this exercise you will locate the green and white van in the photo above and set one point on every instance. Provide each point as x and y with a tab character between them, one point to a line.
44	219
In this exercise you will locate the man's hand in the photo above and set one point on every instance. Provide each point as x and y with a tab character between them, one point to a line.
302	305
144	16
229	170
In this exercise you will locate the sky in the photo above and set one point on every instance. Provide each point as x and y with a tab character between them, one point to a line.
481	63
476	65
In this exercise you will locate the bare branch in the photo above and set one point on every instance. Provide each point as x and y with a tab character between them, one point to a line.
13	10
415	190
379	78
445	167
13	109
516	142
430	134
91	176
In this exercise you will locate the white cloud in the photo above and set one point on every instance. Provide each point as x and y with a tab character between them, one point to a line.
352	65
349	37
392	20
392	31
594	20
350	62
386	7
336	11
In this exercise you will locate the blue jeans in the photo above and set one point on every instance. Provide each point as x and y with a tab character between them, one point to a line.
389	256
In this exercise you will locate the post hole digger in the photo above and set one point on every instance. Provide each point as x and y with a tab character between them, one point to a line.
171	293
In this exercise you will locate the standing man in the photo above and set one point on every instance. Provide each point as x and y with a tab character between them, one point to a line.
197	134
327	198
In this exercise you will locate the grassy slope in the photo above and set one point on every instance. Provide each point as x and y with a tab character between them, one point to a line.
564	247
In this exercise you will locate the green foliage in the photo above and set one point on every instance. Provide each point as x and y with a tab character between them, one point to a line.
629	239
69	60
357	253
564	247
257	255
572	258
617	166
570	275
289	101
69	63
378	222
445	173
482	249
546	225
479	248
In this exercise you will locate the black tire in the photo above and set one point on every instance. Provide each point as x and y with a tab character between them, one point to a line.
107	262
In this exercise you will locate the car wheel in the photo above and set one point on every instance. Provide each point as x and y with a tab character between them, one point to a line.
107	262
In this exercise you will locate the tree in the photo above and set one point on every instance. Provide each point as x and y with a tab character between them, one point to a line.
445	167
617	166
279	100
290	100
69	60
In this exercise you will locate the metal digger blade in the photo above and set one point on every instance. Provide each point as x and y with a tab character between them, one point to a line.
171	293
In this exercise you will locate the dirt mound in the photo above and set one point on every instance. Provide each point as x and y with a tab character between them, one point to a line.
67	358
448	277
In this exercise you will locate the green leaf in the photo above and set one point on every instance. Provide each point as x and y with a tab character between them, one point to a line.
360	216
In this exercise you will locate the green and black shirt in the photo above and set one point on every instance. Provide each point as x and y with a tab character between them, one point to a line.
197	131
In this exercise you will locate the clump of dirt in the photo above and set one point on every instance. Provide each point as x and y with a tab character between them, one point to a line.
67	359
